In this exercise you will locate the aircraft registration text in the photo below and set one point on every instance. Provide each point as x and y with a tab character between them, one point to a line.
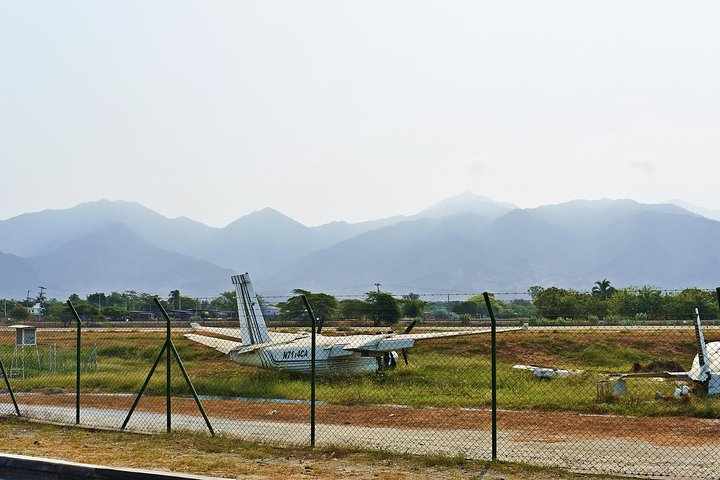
291	354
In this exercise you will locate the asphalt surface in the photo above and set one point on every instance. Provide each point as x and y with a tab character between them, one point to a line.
21	467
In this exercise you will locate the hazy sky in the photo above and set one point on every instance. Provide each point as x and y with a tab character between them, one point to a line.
332	110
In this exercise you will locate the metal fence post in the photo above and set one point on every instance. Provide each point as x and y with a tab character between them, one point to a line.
493	370
10	390
77	361
168	379
312	370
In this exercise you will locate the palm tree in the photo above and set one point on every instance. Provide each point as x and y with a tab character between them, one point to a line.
175	297
603	289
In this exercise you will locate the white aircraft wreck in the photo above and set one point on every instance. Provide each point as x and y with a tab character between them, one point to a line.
252	344
705	371
548	372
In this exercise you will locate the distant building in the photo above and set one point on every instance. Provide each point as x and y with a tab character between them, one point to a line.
270	312
36	309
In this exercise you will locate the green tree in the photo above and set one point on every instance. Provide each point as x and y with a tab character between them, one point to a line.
323	305
520	308
683	304
226	301
97	299
174	299
467	307
351	308
115	313
383	307
413	308
602	289
631	301
497	306
439	310
87	310
554	302
19	313
60	312
534	291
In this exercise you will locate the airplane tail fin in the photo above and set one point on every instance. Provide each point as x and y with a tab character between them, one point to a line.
252	324
702	348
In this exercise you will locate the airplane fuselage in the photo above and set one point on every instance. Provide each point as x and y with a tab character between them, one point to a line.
330	358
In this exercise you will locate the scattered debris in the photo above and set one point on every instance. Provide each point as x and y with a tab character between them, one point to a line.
548	372
657	366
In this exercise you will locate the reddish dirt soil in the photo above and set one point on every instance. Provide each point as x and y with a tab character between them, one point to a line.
523	425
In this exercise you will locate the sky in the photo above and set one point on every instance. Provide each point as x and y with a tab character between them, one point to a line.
338	110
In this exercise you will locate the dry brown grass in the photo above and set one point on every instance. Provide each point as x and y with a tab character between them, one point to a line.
235	459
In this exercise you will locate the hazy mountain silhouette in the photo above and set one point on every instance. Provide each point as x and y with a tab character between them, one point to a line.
465	243
569	245
41	232
17	276
114	258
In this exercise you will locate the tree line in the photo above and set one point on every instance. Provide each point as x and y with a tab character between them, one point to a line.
602	302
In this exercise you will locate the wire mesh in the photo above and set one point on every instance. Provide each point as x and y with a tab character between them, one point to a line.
582	379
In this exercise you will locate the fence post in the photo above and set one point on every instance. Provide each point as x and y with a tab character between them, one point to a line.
168	379
10	390
312	370
493	374
77	361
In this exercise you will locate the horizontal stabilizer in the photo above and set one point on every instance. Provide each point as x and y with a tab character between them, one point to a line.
224	346
236	334
223	331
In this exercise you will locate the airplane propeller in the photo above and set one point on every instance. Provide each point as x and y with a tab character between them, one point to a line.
407	330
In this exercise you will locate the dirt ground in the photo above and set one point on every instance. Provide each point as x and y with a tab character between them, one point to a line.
538	426
243	460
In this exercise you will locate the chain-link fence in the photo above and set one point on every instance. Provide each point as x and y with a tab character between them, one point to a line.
618	382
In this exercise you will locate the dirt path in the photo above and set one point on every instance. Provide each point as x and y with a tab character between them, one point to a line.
672	446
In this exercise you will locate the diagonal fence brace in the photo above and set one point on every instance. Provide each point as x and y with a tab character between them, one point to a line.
168	349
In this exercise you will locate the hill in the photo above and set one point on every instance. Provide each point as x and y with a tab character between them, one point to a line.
467	243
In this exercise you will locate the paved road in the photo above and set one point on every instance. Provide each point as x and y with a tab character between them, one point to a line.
597	455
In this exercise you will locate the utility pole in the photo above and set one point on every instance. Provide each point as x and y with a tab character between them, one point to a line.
41	297
378	286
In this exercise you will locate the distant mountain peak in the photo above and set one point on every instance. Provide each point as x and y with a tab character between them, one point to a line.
467	202
265	218
705	212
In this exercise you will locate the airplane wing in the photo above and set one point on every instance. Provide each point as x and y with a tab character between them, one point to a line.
399	341
219	344
675	375
235	334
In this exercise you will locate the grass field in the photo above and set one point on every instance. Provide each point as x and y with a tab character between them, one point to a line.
451	372
231	458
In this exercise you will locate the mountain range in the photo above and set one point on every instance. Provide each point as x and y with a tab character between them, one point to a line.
465	244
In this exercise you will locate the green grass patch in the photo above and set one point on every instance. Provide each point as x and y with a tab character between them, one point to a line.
448	373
